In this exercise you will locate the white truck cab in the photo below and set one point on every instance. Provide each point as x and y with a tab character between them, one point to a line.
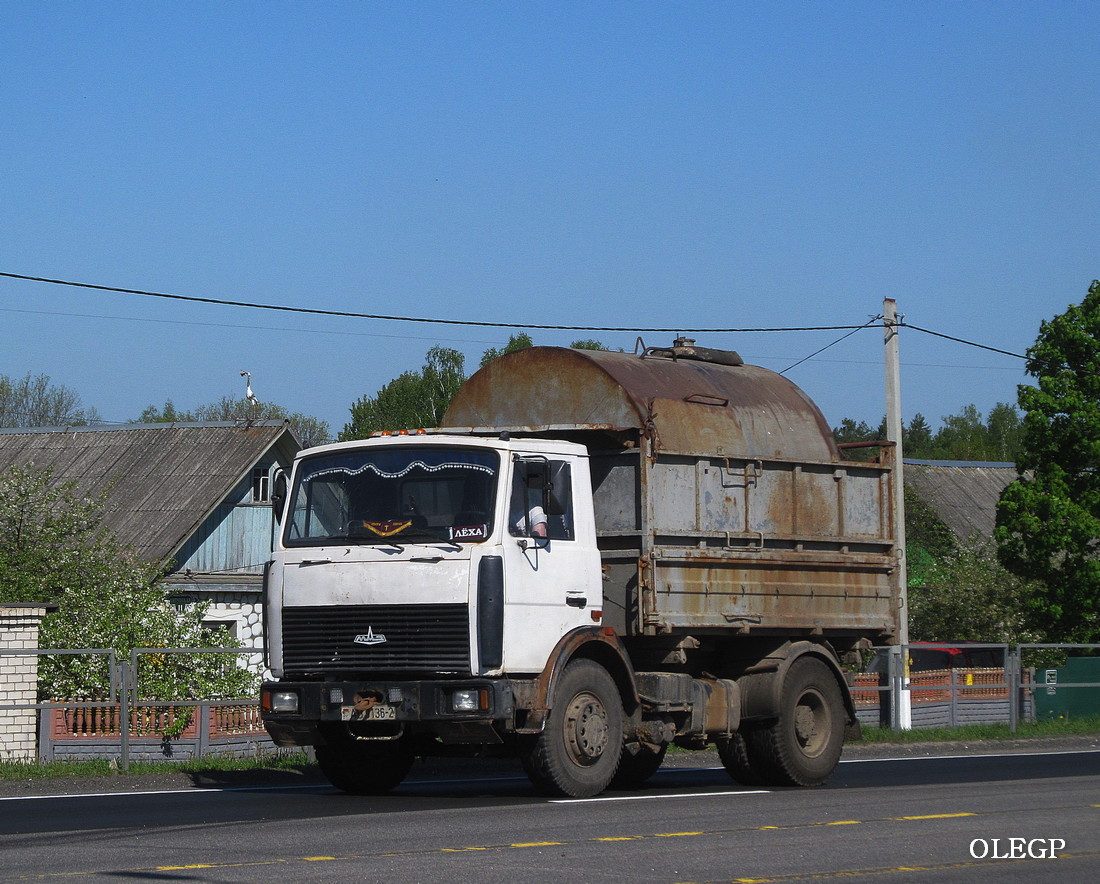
400	543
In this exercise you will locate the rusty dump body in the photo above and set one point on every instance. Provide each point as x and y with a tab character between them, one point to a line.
722	503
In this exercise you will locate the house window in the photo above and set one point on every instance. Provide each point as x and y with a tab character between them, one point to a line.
261	485
222	633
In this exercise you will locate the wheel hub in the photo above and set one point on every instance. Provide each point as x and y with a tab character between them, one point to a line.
811	725
586	729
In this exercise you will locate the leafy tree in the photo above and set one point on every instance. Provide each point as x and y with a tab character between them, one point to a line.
412	399
53	549
963	436
46	531
853	431
32	401
966	595
309	430
1004	427
516	342
419	398
1048	520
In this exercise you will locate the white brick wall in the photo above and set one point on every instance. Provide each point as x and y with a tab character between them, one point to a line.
18	680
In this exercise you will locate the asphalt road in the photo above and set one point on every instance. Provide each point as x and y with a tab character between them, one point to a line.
932	815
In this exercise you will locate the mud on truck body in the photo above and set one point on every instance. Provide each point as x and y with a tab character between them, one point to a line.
597	556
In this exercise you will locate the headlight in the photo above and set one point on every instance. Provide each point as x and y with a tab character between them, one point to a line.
464	700
281	701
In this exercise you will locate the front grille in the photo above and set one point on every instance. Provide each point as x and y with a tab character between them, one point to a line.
418	638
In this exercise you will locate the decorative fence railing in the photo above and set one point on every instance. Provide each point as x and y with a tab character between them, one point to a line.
96	717
124	725
93	729
943	697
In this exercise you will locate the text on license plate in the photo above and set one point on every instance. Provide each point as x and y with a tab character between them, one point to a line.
375	713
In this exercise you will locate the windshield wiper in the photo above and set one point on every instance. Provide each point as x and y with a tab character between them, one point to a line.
429	534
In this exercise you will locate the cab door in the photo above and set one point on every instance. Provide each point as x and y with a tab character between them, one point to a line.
552	581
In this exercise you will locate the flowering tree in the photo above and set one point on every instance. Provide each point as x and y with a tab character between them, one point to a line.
54	550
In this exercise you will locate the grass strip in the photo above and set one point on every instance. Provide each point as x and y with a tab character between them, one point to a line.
101	767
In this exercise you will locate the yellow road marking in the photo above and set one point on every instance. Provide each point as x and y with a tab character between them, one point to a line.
933	816
844	823
181	868
539	844
675	834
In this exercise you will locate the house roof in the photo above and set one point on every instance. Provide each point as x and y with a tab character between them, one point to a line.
963	494
161	480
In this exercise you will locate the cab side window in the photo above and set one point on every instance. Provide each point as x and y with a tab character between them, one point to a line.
528	513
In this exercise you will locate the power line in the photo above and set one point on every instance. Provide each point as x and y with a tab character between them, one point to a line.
833	344
936	334
851	329
467	322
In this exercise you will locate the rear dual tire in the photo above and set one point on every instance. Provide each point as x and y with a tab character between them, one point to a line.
802	746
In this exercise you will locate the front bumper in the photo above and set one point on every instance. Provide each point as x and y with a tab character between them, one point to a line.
385	708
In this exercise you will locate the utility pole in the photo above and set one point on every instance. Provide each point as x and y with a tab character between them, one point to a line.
902	709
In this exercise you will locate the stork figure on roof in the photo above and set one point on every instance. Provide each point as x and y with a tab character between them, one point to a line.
253	402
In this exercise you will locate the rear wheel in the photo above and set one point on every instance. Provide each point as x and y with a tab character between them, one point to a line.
803	745
738	761
364	767
636	769
578	751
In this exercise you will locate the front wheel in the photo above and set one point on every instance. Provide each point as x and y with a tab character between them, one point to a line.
803	745
578	752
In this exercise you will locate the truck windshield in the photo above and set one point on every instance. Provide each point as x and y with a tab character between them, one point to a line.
396	495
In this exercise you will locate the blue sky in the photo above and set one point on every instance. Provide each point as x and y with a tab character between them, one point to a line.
642	165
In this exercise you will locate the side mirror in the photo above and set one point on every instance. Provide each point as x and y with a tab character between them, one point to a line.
278	495
551	479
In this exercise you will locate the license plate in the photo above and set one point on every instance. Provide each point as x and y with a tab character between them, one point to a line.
375	713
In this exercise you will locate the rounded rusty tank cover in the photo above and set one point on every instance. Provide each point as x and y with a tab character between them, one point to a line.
687	405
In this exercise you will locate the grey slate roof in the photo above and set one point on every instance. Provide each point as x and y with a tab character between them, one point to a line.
162	479
963	494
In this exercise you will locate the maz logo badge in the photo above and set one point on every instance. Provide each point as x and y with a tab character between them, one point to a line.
370	637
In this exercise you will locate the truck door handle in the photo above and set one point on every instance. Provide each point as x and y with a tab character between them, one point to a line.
576	601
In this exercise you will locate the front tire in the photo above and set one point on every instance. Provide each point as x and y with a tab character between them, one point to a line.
801	747
578	752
